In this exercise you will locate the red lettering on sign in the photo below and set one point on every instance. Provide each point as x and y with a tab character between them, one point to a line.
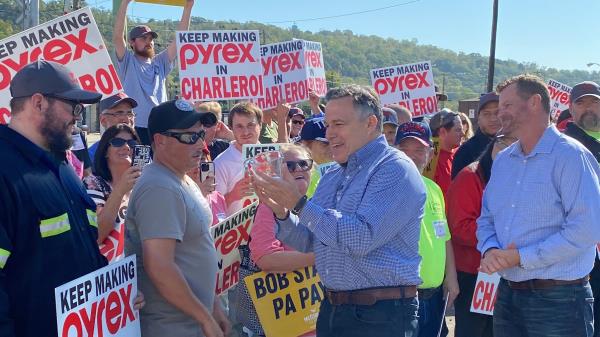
281	63
190	54
313	59
208	88
57	50
484	296
233	238
399	83
231	277
113	312
559	96
296	91
104	81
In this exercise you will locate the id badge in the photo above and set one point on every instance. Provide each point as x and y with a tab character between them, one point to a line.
439	226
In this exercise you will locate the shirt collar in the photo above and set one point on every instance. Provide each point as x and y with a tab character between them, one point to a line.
367	152
544	145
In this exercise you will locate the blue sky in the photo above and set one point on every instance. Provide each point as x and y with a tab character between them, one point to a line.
559	34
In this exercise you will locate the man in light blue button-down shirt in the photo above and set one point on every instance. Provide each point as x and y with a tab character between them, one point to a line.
540	221
363	223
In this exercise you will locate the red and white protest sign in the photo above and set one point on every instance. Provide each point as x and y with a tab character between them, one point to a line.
219	65
484	296
313	54
72	40
100	303
409	85
229	234
290	69
559	97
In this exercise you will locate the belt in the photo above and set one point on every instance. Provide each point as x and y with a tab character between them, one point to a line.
370	296
544	284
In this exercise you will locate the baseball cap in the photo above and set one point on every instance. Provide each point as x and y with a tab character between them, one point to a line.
486	98
441	118
114	100
587	88
296	112
50	78
389	116
440	96
176	114
417	130
314	129
140	30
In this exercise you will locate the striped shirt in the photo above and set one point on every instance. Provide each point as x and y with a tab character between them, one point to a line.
548	204
363	222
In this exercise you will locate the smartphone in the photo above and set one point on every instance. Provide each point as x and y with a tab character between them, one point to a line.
141	156
207	169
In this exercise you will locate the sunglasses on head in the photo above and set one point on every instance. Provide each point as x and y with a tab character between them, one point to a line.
118	142
299	165
188	138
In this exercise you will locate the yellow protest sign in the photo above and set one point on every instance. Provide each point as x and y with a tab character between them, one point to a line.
287	304
429	171
180	3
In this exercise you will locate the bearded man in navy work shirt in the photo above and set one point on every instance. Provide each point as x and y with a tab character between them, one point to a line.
363	222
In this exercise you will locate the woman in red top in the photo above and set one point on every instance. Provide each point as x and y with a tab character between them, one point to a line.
463	207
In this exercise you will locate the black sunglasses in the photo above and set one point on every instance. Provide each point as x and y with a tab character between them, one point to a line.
188	138
298	122
118	142
299	165
76	107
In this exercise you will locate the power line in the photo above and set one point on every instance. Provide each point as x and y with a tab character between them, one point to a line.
345	14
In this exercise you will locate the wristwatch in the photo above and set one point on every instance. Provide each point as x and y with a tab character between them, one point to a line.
299	205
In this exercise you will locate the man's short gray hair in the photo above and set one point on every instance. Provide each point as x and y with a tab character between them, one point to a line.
365	100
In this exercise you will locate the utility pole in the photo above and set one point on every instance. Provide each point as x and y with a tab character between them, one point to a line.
492	60
30	15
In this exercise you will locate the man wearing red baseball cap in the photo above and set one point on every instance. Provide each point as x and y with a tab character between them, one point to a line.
142	72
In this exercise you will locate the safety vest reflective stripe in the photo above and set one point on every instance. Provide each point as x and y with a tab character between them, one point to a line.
4	254
55	226
92	218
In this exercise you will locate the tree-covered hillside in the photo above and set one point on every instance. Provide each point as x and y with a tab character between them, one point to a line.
348	57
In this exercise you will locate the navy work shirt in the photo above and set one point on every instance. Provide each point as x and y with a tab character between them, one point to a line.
48	234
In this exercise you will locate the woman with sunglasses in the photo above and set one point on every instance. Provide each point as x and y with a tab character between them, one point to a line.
463	208
110	186
266	252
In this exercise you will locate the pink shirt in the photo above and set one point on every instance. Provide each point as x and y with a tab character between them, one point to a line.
217	206
263	235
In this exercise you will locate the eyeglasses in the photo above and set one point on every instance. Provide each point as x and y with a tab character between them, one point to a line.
299	165
129	114
298	122
118	142
76	107
187	138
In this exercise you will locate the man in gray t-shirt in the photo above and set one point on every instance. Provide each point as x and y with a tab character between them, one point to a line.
142	72
168	223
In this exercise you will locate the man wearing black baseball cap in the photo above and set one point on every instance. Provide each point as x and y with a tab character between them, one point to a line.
47	222
142	72
168	223
585	127
488	126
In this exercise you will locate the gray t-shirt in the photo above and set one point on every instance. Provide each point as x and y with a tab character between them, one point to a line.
163	206
144	82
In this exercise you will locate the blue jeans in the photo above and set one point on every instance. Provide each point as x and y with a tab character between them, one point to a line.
559	311
385	318
431	314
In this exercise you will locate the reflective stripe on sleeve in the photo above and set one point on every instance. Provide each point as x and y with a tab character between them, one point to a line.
4	254
92	218
55	226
